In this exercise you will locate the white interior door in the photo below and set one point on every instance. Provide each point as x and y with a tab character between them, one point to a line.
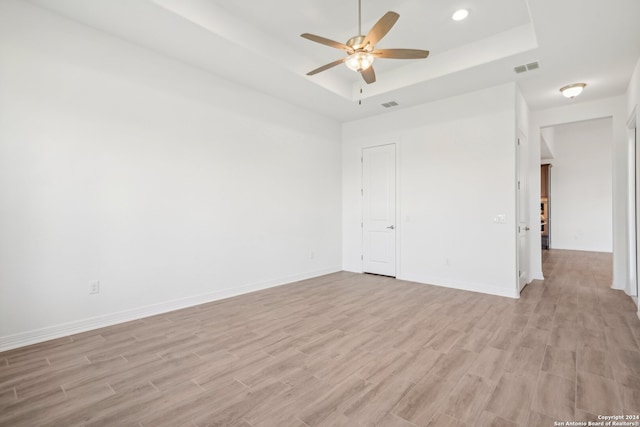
379	210
523	212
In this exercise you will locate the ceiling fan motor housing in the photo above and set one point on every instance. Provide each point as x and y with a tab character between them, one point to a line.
357	43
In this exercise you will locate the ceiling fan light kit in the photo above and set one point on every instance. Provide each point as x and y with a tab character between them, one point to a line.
572	90
361	50
359	61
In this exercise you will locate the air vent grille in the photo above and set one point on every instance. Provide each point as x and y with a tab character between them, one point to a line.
526	67
533	66
389	104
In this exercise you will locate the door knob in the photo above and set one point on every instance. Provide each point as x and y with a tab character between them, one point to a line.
527	229
391	227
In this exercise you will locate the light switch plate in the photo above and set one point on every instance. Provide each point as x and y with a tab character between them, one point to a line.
500	219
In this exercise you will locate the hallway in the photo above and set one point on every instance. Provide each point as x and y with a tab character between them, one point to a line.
592	349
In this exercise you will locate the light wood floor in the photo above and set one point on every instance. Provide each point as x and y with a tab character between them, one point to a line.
348	350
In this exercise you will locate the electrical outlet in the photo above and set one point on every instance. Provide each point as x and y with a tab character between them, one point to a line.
94	287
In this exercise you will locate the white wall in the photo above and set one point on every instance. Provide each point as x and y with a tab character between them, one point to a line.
581	211
456	172
522	113
633	91
169	185
547	145
575	112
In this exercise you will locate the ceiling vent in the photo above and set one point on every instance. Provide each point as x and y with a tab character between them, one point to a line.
526	67
389	104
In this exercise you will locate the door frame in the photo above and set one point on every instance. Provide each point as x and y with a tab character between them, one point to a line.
522	192
396	144
634	206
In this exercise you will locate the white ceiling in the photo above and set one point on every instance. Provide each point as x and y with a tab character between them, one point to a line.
258	44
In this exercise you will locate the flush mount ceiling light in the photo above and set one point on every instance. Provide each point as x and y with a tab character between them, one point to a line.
572	90
460	14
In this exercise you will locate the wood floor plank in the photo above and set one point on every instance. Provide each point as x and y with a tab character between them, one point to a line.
597	395
161	401
487	419
8	396
505	338
115	404
526	361
227	414
628	361
442	420
168	409
555	396
423	401
392	420
383	366
560	361
511	399
325	405
629	388
13	409
564	337
592	338
373	405
490	364
418	365
597	362
454	364
468	398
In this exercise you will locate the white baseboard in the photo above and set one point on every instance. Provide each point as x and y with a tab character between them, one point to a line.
538	275
467	286
463	286
58	331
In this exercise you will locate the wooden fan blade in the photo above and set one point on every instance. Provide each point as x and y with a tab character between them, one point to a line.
327	66
381	28
368	75
400	53
327	42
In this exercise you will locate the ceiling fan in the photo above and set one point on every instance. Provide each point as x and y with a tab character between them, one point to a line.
361	49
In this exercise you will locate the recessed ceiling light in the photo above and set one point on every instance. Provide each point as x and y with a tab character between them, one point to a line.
572	90
460	14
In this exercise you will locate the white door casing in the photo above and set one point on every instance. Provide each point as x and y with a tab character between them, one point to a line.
634	208
635	290
379	210
522	213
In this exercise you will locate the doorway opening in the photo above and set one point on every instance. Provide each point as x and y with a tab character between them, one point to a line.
545	205
577	174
